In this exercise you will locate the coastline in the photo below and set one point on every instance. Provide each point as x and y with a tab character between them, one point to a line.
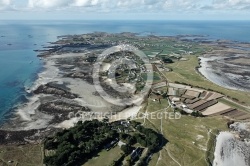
63	93
54	72
217	77
23	112
232	147
28	116
227	64
66	75
206	71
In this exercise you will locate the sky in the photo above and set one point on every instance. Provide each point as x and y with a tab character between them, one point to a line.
124	9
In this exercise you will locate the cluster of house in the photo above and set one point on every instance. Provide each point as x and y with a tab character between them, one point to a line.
161	68
123	126
136	153
111	144
191	99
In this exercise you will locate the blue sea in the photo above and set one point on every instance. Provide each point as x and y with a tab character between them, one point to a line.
19	64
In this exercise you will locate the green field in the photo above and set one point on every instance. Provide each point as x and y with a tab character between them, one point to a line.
156	77
25	155
234	105
105	158
184	72
191	140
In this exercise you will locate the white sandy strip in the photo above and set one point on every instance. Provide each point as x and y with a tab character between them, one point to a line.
32	119
68	123
127	113
39	121
27	112
49	74
207	71
28	109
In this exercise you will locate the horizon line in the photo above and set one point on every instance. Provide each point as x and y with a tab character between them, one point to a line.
124	20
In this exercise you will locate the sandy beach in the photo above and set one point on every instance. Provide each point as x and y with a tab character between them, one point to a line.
127	113
28	116
219	76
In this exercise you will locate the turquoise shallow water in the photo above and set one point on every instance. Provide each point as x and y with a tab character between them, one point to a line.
18	70
19	65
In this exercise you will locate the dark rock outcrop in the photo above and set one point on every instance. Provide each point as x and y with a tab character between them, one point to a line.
85	76
25	136
61	110
54	90
61	107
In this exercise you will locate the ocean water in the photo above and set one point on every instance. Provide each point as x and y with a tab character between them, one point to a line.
19	64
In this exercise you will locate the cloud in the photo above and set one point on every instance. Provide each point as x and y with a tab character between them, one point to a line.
131	5
114	4
48	4
236	5
181	5
5	4
82	3
60	4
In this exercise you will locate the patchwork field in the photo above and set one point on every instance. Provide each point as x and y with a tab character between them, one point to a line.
185	72
191	140
216	109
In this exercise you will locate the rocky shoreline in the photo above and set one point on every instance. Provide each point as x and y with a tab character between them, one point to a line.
25	136
54	90
227	65
232	148
56	94
66	85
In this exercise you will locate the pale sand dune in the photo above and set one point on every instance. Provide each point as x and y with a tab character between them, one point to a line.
87	98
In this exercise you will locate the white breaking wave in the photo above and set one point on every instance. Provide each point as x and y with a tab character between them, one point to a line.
230	151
